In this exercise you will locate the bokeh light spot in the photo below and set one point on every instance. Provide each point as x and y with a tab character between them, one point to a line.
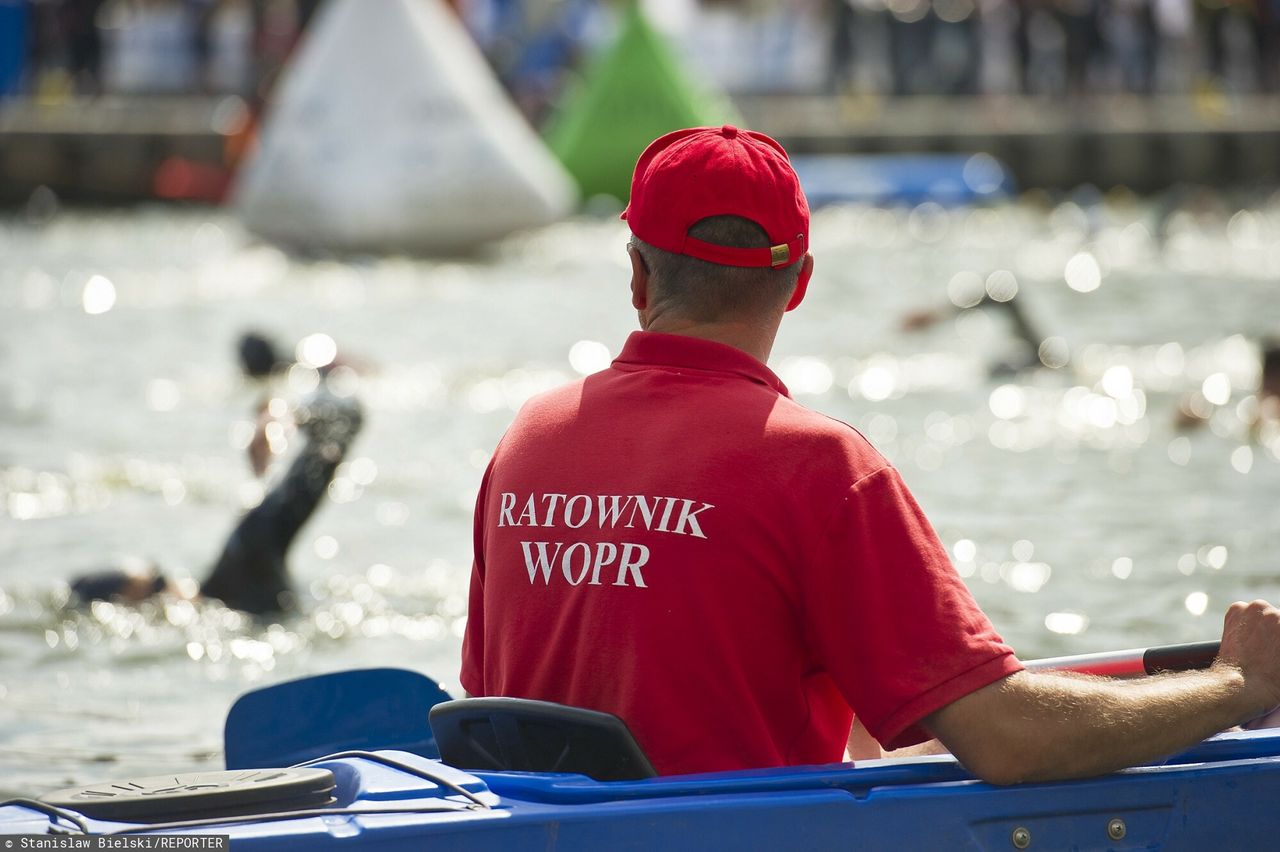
806	375
1187	564
1001	285
1007	402
1117	381
163	395
99	295
875	384
965	289
1066	623
1180	450
1217	389
326	547
1082	273
316	351
1054	353
1028	577
589	356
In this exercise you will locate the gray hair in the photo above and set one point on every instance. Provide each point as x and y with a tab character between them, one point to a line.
705	292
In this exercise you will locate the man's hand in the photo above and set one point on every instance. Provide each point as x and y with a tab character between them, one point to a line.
1251	643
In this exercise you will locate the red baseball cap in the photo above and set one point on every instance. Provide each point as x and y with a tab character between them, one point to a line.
689	175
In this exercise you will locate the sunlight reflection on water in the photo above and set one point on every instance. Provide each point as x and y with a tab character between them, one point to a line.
1072	500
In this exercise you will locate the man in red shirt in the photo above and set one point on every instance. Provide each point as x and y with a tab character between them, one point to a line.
676	541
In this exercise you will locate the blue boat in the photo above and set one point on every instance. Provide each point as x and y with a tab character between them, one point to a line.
910	179
1217	795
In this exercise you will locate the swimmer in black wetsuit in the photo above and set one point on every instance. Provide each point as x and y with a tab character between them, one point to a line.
251	574
259	358
1029	354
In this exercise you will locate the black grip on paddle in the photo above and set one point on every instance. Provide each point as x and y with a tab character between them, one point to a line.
1180	658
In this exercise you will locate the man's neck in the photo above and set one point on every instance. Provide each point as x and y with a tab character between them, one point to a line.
752	338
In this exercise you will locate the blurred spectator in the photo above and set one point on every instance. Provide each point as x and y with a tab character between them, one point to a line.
78	19
840	69
149	46
1174	43
159	46
884	47
1131	32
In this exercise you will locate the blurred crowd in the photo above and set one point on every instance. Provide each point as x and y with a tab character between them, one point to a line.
1063	46
882	47
157	46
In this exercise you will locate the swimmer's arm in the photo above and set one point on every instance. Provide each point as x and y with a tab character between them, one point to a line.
259	449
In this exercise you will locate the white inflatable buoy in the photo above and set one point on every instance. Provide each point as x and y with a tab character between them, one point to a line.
390	133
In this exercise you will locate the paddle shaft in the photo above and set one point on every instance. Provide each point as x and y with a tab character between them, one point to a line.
1135	661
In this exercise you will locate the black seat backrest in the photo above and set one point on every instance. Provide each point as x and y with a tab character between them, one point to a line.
537	736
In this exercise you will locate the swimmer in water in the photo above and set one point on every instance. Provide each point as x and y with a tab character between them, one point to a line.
251	573
1269	386
1030	341
259	358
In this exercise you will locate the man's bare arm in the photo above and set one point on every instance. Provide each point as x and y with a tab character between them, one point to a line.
862	746
1035	726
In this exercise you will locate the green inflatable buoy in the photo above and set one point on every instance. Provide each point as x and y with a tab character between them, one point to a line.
633	93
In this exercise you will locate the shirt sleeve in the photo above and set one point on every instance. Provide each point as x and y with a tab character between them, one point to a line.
890	619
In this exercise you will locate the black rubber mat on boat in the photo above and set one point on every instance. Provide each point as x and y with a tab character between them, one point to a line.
199	795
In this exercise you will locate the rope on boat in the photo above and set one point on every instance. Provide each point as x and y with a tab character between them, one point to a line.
403	767
52	812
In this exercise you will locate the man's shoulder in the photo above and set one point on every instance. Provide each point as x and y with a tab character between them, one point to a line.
561	402
800	421
820	446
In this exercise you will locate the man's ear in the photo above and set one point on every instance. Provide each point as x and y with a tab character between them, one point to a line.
802	282
639	279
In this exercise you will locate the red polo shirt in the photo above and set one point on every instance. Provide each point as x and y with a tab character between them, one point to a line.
676	541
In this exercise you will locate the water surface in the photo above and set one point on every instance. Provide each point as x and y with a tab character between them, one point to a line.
1082	519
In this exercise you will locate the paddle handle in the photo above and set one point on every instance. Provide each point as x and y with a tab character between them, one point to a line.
1135	661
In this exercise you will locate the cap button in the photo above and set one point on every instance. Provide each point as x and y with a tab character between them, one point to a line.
729	131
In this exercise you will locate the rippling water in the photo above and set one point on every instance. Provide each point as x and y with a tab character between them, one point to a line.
1081	517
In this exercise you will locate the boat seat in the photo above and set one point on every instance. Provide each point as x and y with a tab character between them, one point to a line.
291	722
537	736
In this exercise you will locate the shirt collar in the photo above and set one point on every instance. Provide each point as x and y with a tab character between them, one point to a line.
655	349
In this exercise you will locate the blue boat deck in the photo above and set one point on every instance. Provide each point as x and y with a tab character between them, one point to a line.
1217	795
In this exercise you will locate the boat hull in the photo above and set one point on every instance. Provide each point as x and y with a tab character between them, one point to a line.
1219	795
